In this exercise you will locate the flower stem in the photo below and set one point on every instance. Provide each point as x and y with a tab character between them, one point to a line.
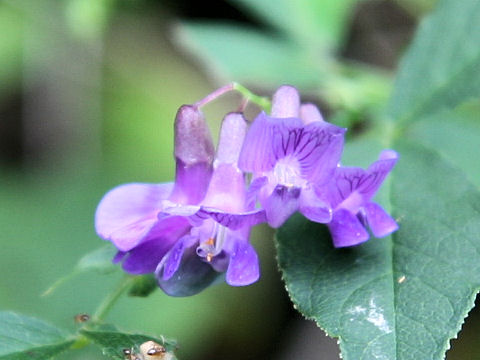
260	101
112	298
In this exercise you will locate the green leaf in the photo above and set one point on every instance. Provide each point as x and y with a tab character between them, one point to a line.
441	68
402	297
23	337
114	342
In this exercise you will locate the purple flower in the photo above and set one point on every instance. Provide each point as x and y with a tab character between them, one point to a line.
218	242
194	231
128	215
292	154
350	195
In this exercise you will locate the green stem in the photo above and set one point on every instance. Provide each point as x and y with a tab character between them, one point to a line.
111	299
260	101
102	311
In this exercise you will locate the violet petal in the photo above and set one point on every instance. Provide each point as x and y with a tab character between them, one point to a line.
191	182
227	189
282	203
267	140
346	229
252	192
314	208
376	173
346	181
192	276
145	257
235	221
171	261
318	148
243	268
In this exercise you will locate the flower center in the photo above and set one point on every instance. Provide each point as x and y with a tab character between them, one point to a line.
287	172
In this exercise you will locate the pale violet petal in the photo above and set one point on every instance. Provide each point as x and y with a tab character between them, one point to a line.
309	113
379	221
126	213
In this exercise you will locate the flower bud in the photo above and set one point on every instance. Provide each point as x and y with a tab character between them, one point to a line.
194	154
286	102
232	134
193	143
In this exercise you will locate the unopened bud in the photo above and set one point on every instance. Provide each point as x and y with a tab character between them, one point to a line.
193	143
232	134
286	102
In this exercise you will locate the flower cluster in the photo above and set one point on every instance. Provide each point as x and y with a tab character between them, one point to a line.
195	231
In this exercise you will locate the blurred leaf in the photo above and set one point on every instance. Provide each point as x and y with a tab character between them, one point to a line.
99	260
23	337
88	18
143	285
417	8
317	24
441	68
11	26
249	55
113	342
398	298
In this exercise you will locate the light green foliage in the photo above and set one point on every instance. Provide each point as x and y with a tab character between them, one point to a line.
405	296
99	260
23	337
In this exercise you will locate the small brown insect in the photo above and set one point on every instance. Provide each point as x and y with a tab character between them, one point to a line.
152	350
81	318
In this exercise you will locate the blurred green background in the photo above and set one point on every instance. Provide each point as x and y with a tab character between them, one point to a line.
88	93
